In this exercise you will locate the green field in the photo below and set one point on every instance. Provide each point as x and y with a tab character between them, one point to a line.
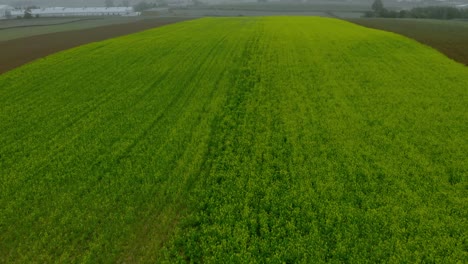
280	140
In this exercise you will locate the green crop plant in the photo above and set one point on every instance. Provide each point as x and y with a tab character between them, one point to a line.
279	140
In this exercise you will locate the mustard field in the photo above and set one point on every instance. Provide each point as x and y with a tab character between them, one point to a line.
236	140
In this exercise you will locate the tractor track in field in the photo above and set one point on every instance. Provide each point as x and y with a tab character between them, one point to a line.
16	52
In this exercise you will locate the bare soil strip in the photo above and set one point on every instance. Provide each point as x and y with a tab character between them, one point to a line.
448	37
16	52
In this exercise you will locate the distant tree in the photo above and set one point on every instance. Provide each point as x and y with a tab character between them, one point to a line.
162	3
109	3
429	12
377	6
125	3
369	14
28	13
437	12
142	6
404	14
197	2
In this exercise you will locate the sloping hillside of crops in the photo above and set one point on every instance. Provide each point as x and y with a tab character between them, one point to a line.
236	140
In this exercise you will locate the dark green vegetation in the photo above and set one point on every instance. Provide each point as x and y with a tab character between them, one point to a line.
449	37
324	9
278	140
429	12
286	7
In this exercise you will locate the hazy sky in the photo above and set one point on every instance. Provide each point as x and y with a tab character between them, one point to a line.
64	3
75	3
83	3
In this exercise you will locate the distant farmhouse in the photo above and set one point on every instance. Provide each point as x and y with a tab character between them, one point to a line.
5	11
82	11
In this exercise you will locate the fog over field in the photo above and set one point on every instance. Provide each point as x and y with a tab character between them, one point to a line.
79	3
65	3
274	139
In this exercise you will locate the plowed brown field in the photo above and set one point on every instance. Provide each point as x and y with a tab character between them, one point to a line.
16	52
448	37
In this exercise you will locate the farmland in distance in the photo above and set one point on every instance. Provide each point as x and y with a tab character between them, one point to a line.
21	28
22	42
449	37
282	139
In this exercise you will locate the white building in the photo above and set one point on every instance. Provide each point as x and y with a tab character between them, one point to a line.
82	11
5	11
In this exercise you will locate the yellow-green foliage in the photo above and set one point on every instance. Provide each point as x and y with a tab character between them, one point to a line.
277	139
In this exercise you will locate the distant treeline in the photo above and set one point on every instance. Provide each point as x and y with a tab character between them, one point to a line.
143	5
434	12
